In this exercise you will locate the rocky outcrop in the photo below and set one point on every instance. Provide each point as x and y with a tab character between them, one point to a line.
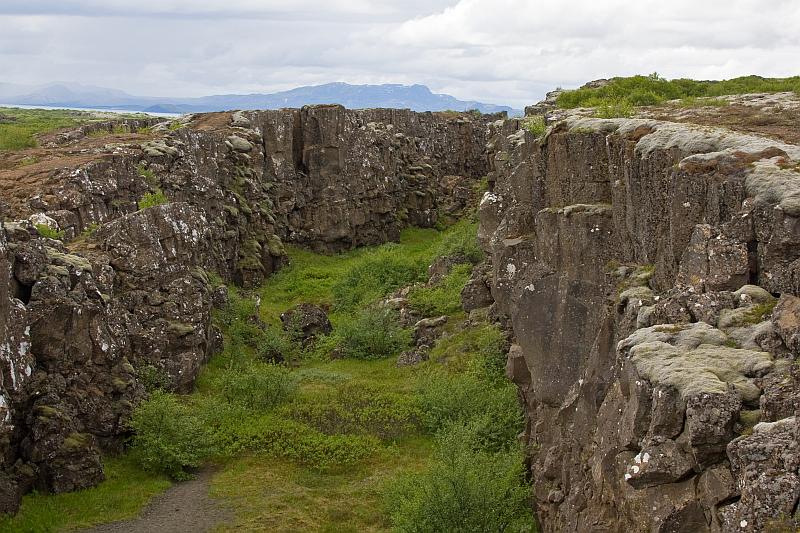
306	322
639	261
85	325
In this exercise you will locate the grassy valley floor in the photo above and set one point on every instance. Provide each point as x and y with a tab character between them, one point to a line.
315	443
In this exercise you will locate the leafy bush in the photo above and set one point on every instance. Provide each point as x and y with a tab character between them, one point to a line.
359	409
479	350
153	199
49	233
534	124
463	491
492	410
167	437
461	239
275	345
444	298
257	386
373	334
379	273
153	378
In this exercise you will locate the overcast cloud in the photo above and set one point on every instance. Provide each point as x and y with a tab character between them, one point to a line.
499	51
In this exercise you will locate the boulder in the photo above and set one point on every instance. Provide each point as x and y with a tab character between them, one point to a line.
414	356
786	321
442	266
767	464
306	320
427	330
477	293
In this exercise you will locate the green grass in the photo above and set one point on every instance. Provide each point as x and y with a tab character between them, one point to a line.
443	298
314	278
19	127
153	199
46	231
127	488
534	124
318	445
282	496
622	94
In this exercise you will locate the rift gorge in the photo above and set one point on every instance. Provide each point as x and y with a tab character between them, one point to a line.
586	318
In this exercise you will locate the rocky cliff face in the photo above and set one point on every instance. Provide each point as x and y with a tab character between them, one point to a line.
84	324
650	271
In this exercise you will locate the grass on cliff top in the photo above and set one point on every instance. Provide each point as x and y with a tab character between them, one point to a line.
621	94
19	127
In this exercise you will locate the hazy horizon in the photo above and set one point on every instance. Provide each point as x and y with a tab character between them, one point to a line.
470	49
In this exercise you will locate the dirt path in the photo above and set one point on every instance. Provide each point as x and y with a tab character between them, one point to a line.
185	508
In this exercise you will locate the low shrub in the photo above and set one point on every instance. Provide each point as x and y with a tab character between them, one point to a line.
463	491
479	350
534	124
355	408
373	333
236	432
615	109
20	127
238	309
148	175
318	375
275	345
257	386
492	411
444	298
49	233
167	437
461	239
153	378
153	199
377	274
653	89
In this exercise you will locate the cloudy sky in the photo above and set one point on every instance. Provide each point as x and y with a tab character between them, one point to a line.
500	51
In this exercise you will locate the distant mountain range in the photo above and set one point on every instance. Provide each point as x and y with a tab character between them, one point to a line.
415	97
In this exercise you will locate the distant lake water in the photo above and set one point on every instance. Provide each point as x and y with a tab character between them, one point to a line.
93	109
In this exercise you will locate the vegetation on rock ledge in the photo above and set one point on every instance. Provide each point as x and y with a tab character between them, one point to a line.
620	95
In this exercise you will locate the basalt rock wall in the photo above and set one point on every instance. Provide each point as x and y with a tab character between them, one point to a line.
650	273
125	295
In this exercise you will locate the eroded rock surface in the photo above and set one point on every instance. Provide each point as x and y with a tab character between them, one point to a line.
147	215
640	263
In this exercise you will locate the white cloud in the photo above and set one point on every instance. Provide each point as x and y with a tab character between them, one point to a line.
503	51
